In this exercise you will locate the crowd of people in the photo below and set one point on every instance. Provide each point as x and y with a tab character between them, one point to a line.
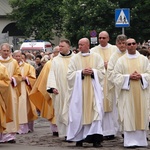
88	95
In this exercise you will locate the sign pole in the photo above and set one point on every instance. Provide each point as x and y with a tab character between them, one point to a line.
123	31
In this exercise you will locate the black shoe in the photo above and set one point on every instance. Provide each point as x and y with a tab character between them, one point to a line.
109	137
131	147
11	141
55	134
65	140
79	144
97	144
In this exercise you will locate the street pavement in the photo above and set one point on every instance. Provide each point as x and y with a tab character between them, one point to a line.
42	139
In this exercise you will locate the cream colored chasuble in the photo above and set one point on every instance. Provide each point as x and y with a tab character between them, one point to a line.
110	77
90	111
105	54
135	87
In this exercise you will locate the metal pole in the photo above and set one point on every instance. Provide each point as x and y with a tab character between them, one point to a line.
123	31
83	6
8	36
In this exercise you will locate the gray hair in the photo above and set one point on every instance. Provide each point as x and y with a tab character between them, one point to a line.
5	44
121	37
17	51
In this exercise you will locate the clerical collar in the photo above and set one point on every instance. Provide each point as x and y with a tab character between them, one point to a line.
85	54
70	52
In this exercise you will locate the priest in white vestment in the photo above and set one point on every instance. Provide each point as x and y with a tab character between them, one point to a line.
121	50
105	49
85	97
57	82
132	78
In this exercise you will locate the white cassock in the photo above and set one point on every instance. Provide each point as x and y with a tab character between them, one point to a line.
133	98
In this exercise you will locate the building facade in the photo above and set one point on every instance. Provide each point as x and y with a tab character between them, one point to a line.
8	30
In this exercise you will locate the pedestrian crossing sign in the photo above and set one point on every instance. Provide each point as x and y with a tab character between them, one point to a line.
122	17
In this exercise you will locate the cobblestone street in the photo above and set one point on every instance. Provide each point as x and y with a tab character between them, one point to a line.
42	137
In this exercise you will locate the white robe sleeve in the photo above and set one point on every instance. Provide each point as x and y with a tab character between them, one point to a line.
126	84
75	108
51	80
48	82
144	83
27	81
14	81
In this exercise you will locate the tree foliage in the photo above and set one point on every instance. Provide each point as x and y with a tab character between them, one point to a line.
76	18
80	17
100	15
139	19
38	18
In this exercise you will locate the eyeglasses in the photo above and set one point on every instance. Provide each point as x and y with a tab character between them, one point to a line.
102	38
129	44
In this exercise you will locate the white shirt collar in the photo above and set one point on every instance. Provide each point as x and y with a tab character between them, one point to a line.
1	58
118	51
132	55
105	47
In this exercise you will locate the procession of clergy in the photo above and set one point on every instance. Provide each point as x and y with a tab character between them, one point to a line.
88	97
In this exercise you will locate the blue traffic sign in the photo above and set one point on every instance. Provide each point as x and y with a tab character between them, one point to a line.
122	17
93	33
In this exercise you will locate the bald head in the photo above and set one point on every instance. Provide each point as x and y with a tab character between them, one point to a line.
130	39
131	46
104	33
103	38
84	45
85	40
